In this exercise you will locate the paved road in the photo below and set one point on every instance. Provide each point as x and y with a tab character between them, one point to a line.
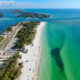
9	37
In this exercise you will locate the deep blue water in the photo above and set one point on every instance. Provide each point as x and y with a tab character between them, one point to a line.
8	20
56	15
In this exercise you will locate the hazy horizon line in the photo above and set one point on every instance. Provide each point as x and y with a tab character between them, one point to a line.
39	8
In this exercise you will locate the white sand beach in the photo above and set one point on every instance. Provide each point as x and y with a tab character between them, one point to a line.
31	59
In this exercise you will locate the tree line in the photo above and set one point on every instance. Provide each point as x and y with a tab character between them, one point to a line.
26	34
10	71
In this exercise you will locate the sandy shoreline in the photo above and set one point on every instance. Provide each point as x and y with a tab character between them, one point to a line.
31	60
39	56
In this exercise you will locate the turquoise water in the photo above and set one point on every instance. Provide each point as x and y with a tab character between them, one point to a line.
61	43
61	47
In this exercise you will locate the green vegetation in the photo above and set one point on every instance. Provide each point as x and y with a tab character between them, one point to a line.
26	34
9	28
1	14
1	38
11	71
33	15
24	14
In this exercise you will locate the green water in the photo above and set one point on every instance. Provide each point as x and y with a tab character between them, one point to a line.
61	51
60	44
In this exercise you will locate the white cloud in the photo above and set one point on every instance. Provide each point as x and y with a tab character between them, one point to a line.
54	4
6	3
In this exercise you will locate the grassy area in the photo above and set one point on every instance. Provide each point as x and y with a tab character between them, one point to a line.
10	71
26	34
1	38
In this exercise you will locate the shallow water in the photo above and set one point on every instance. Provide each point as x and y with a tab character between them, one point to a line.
61	43
61	48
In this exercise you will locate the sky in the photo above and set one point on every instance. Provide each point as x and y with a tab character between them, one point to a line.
39	4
